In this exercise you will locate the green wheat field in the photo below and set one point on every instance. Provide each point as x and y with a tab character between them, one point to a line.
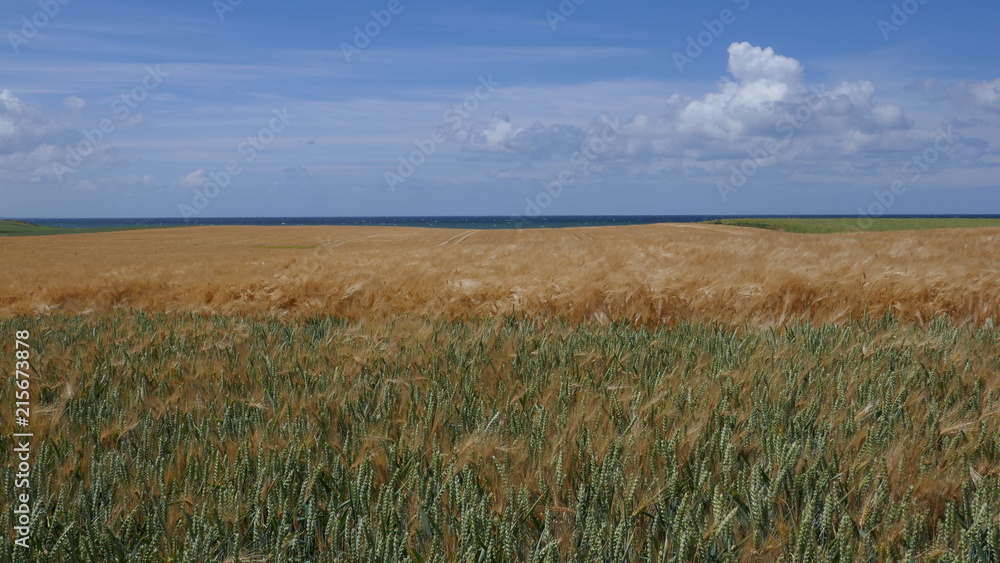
221	438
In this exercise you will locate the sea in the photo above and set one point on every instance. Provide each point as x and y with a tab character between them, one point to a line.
454	222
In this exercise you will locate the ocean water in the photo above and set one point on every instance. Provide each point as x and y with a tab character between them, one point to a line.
470	222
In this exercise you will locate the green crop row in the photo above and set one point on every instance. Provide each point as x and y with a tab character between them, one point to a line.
195	438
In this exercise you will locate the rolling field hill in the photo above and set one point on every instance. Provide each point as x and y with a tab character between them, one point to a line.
656	274
413	394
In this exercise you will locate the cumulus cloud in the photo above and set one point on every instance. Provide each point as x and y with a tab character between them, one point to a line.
36	148
981	95
764	101
766	98
500	136
30	142
753	64
11	104
24	129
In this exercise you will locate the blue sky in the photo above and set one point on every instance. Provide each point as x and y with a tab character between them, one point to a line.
250	108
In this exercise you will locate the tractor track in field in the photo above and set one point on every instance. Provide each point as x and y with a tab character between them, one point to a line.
459	239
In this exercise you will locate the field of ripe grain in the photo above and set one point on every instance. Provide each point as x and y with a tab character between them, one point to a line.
652	274
399	394
226	438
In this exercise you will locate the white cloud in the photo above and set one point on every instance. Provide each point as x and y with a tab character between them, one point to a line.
981	95
30	141
985	95
753	64
74	102
23	128
499	133
10	103
765	100
889	116
195	179
502	137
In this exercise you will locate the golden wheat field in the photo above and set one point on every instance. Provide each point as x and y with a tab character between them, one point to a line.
402	394
655	274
